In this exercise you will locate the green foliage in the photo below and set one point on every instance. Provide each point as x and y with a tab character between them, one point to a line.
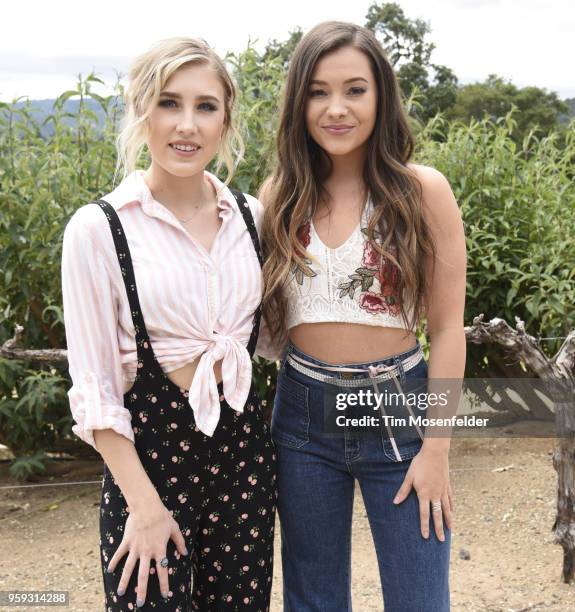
409	52
518	206
42	182
282	49
31	414
402	38
43	179
28	465
259	78
408	49
517	200
259	82
570	113
537	109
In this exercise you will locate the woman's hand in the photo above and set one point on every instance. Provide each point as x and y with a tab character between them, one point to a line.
146	535
428	474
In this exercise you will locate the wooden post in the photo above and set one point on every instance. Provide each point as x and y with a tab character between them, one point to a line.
558	370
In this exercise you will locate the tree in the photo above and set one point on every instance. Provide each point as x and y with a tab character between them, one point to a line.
564	118
404	41
537	108
282	50
408	51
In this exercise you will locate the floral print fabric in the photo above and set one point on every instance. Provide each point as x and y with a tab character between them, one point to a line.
222	492
221	489
377	279
352	283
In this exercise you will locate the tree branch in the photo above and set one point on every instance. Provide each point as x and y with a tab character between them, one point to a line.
524	346
10	350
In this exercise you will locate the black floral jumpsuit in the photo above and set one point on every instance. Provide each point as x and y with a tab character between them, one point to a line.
220	489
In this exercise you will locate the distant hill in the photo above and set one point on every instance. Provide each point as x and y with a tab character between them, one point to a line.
571	114
40	109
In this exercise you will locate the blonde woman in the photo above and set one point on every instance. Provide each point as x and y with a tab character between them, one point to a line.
360	244
162	288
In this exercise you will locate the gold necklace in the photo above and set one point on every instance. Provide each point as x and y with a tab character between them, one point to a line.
197	207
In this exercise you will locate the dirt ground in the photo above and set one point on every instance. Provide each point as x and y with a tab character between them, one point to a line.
505	507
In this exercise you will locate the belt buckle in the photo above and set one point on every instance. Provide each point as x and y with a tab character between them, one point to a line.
346	375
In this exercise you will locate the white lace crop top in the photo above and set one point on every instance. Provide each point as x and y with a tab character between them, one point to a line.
350	284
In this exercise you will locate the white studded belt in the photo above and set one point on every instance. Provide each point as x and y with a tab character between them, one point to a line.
376	374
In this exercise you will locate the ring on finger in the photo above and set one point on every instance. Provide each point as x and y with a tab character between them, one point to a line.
436	506
164	562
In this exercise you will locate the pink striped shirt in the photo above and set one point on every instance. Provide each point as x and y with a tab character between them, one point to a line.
194	303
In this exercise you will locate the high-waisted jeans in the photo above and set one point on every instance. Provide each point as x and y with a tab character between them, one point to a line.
316	479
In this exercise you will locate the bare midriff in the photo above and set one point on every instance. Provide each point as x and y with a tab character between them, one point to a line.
339	343
183	377
330	342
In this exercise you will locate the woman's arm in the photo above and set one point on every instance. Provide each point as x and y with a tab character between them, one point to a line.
91	322
123	462
428	473
96	397
445	325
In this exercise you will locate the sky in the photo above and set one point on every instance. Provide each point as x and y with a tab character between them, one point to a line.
44	45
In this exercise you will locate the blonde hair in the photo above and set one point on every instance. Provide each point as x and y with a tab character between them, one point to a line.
147	76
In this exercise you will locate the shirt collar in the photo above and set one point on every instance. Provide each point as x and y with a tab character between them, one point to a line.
134	190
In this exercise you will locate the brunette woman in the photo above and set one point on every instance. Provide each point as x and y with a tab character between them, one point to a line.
361	244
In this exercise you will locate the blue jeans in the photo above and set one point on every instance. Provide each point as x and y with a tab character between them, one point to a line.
316	479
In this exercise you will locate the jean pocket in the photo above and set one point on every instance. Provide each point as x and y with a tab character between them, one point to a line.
416	376
405	414
407	450
414	387
290	416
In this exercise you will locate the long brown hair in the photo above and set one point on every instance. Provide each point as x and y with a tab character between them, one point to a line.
294	189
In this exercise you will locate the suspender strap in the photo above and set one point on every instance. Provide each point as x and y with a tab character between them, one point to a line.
143	344
250	224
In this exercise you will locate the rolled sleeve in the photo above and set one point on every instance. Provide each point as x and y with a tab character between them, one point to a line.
269	347
90	412
91	323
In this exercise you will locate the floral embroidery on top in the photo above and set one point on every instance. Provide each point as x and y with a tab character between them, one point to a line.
377	278
304	238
